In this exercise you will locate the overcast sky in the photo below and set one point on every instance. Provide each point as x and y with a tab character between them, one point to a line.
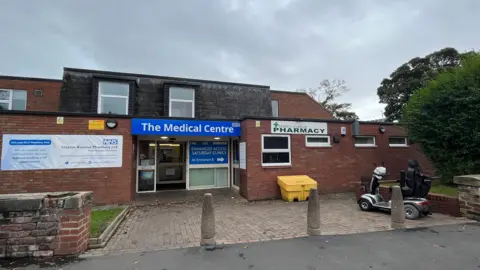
287	44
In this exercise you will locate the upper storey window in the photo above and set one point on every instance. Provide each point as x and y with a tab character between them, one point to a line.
13	99
182	102
113	97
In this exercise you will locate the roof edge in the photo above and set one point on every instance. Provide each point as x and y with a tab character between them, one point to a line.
20	78
298	119
113	73
288	92
96	115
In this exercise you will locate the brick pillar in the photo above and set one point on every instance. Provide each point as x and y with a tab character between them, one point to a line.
469	195
74	225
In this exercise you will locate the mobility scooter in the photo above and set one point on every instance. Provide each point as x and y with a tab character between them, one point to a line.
414	186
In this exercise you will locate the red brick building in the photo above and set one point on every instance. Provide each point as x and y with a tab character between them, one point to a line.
31	94
177	133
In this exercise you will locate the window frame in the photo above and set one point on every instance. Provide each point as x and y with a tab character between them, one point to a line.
328	144
366	145
100	95
278	109
181	100
10	100
289	150
398	145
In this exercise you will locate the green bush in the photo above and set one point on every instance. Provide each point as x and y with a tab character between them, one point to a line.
444	119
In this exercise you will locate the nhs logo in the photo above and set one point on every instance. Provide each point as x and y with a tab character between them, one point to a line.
110	142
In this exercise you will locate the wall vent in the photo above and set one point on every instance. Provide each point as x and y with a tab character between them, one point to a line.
38	92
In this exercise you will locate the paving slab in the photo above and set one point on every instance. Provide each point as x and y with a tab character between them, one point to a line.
177	224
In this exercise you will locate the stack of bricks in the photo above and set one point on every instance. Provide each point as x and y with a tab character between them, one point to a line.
44	225
469	195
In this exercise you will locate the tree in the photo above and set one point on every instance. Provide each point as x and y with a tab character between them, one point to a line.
327	92
396	90
443	118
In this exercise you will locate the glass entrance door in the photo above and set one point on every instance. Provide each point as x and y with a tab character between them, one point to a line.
146	166
171	161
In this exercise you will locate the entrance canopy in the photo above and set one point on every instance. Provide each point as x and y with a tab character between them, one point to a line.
142	126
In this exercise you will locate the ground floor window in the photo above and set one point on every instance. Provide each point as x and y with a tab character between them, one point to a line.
276	150
365	141
397	141
208	177
317	141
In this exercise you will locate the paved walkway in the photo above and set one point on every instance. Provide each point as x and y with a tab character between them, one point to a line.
177	225
433	248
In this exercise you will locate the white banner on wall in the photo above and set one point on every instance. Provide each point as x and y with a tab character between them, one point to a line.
292	127
42	152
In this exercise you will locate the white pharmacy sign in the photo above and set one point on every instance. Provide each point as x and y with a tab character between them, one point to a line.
293	127
44	152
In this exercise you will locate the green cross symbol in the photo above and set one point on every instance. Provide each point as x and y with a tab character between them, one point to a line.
275	125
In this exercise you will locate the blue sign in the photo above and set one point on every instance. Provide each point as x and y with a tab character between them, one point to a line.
208	153
185	127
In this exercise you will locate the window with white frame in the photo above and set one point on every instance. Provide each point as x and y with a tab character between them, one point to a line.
13	99
113	97
274	108
276	150
365	141
317	141
182	102
397	141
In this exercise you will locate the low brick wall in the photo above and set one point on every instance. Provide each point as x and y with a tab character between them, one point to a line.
469	195
44	225
440	203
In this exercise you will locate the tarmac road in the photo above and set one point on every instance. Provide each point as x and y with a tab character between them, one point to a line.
455	247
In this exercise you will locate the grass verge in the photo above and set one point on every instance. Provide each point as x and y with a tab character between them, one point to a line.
101	218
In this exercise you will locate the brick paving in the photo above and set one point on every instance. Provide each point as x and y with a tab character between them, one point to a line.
176	224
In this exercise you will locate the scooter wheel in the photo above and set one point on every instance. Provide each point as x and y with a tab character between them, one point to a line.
365	205
411	212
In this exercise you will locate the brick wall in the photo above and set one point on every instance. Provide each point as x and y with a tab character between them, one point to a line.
299	105
44	225
100	180
336	169
395	158
48	102
440	204
469	195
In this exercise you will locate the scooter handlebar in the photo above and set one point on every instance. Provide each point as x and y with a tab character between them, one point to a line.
429	177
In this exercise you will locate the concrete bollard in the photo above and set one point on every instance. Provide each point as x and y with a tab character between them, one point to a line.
313	215
208	221
398	209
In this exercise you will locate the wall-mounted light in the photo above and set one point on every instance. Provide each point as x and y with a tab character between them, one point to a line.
111	123
381	129
216	138
164	137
